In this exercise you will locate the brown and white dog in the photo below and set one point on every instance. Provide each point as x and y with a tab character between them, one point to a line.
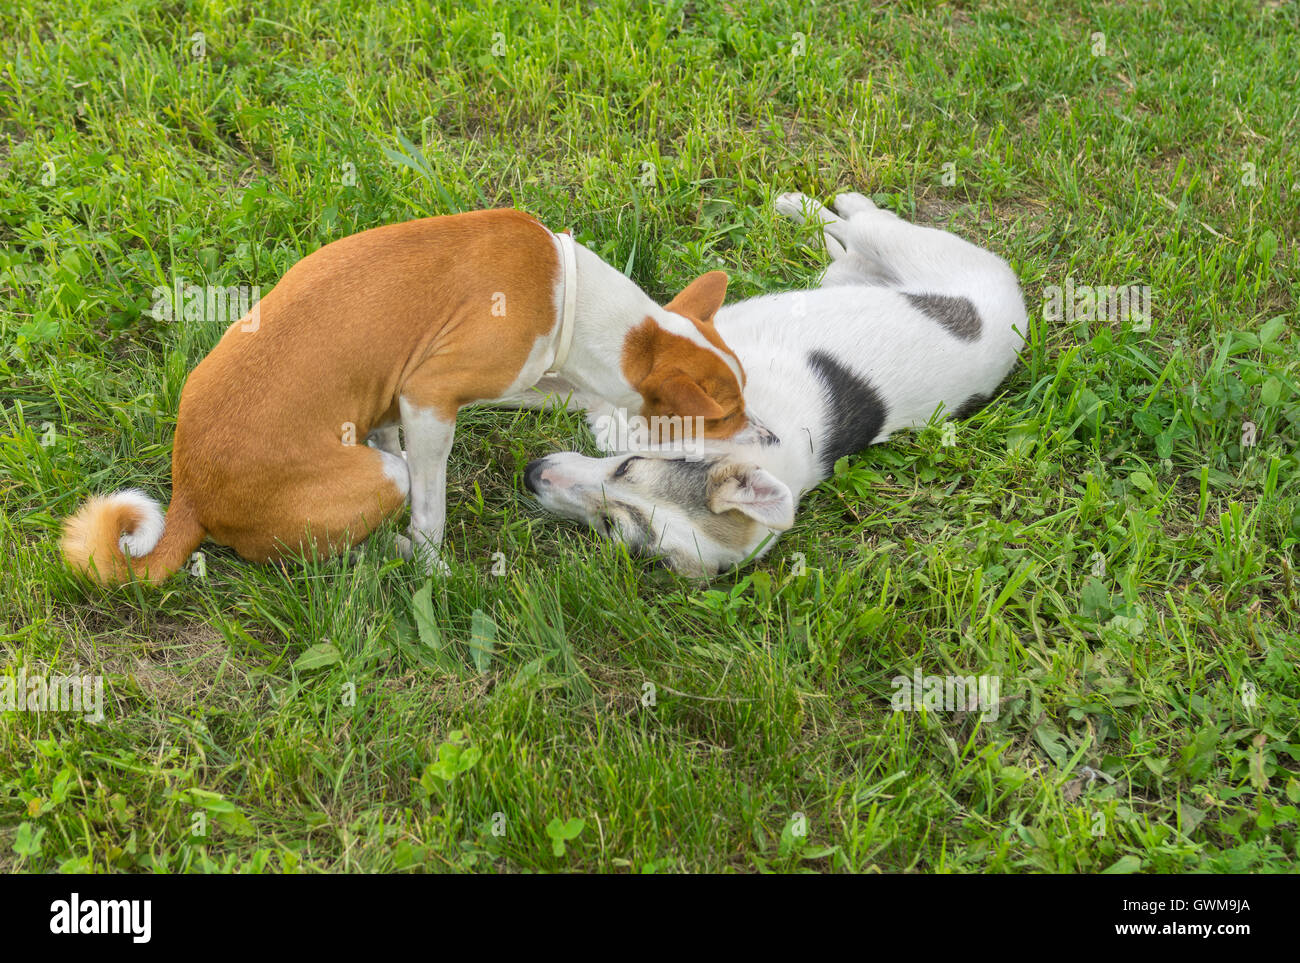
399	325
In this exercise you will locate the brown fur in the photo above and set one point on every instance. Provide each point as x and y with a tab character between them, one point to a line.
90	541
672	374
258	460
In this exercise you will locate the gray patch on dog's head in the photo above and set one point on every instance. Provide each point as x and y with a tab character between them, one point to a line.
957	315
693	514
681	482
681	485
690	485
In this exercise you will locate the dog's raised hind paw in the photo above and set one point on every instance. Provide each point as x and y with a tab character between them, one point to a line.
796	206
801	208
851	202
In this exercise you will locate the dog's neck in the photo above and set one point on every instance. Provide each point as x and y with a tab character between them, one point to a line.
778	390
608	306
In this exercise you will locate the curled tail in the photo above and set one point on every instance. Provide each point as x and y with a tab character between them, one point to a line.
119	537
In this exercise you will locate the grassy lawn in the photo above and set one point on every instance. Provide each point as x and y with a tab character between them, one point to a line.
1107	540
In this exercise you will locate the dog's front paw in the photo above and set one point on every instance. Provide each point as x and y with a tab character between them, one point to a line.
427	556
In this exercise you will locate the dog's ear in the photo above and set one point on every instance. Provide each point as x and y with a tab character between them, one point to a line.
752	491
701	298
676	393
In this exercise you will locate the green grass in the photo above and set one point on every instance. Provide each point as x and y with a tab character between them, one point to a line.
1172	673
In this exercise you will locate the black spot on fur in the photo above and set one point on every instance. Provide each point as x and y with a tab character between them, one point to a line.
856	411
958	315
968	407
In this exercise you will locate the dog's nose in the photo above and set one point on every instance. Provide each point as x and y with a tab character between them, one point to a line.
532	474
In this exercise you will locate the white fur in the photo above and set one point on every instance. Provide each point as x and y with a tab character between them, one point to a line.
147	534
428	444
609	306
912	361
396	469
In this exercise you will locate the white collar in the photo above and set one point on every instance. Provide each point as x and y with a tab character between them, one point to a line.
569	266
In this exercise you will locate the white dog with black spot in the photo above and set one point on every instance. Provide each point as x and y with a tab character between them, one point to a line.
907	322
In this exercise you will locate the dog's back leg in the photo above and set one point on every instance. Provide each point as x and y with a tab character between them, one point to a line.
910	257
970	292
847	266
801	208
849	203
349	491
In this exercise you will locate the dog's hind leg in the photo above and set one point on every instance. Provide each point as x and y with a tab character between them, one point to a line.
349	491
968	291
851	202
801	208
858	230
853	268
909	257
852	262
861	264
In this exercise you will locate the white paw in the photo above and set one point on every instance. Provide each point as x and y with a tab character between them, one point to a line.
796	206
404	548
428	556
851	202
608	426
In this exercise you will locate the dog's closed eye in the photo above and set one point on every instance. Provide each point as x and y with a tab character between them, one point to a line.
621	470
